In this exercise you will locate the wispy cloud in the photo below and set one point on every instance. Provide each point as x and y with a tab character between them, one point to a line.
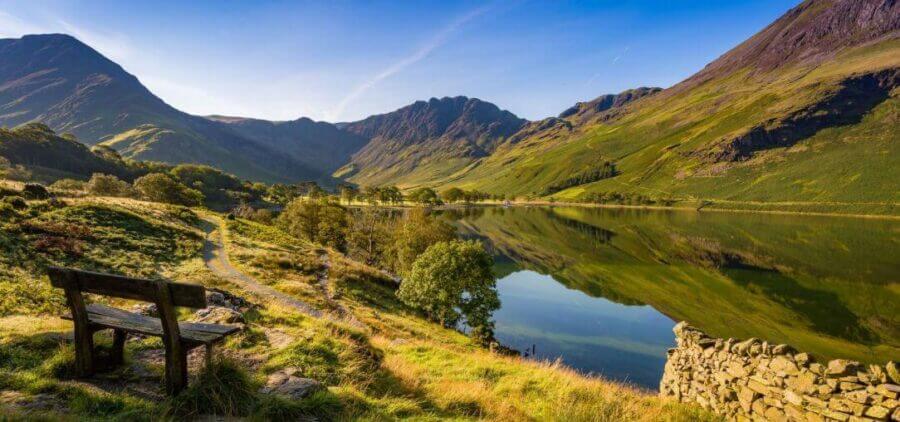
614	61
439	39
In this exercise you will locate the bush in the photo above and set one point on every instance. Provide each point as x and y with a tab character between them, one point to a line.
108	185
68	185
453	281
35	191
16	202
159	187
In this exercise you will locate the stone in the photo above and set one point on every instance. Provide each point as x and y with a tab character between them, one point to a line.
802	359
817	368
877	374
783	364
896	415
842	367
758	407
758	387
878	412
219	315
746	397
774	414
893	372
890	391
793	398
781	349
291	386
851	386
146	309
743	347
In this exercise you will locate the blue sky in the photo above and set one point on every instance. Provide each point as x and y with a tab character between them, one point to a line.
343	60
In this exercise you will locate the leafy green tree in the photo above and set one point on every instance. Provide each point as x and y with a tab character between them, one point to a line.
108	185
453	282
425	196
348	192
317	220
159	187
371	194
370	235
413	235
282	194
452	195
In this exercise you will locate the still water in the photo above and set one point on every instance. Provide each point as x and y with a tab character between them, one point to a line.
601	289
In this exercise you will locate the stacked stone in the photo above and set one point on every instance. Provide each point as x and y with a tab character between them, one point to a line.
758	381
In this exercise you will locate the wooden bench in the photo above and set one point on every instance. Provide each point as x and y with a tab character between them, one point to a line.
178	337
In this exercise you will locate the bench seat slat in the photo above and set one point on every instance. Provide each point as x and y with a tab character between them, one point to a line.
200	333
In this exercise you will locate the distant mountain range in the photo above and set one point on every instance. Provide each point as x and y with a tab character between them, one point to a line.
805	110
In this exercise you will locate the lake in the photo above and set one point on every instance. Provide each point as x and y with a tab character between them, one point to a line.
601	288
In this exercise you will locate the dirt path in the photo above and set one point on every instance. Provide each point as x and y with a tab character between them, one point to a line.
216	258
329	294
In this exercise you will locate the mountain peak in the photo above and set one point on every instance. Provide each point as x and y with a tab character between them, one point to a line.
810	32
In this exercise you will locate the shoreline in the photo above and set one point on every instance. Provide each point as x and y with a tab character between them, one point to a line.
647	207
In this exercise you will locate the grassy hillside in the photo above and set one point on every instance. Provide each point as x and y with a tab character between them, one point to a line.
393	366
658	145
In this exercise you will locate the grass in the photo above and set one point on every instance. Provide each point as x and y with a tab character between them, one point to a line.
396	366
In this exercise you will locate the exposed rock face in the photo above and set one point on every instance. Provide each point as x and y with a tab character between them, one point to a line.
437	130
606	103
810	32
853	98
219	315
753	380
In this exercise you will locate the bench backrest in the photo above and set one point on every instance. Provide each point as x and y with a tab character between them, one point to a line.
187	295
166	295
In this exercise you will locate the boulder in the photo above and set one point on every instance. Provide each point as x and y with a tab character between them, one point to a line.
219	315
288	383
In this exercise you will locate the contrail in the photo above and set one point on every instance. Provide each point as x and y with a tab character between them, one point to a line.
436	41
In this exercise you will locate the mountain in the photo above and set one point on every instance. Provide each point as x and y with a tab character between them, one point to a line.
427	140
50	156
63	83
320	146
803	113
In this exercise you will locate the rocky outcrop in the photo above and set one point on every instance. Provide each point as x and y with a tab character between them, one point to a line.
847	104
755	380
288	383
606	105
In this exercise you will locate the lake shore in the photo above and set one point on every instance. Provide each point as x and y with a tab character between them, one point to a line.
714	207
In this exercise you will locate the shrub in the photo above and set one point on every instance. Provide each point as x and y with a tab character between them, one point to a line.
35	191
159	187
453	281
108	185
68	185
17	202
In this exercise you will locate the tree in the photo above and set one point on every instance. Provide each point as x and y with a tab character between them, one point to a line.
371	194
453	282
348	192
282	194
415	233
452	195
159	187
107	185
317	220
425	196
370	235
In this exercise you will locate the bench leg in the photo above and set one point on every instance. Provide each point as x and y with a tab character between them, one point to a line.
84	351
209	355
118	349
176	371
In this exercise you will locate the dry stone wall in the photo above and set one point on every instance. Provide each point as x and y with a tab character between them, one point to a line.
758	381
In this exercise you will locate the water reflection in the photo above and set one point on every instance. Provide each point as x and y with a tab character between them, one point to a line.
601	288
